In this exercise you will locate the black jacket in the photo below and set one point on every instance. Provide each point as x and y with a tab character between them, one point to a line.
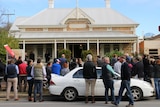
11	71
138	69
106	74
2	69
125	71
157	71
89	70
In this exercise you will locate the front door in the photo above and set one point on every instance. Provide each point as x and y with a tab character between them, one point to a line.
77	49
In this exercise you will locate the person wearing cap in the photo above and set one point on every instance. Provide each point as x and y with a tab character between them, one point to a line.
56	67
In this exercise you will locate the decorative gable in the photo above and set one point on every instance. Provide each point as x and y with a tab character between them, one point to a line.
77	13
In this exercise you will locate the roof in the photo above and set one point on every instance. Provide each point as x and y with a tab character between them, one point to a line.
75	35
54	16
156	37
16	22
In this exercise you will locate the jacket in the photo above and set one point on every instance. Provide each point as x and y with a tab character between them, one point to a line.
157	71
125	72
89	70
106	74
22	69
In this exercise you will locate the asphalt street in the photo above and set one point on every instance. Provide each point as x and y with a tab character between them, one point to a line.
24	103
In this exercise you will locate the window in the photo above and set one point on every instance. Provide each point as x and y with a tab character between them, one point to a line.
106	48
116	47
153	51
78	74
99	73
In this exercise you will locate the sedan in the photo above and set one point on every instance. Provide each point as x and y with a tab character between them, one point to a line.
72	85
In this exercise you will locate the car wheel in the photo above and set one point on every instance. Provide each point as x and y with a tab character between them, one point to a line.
70	94
137	93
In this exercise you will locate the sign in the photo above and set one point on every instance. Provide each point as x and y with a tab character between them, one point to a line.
9	50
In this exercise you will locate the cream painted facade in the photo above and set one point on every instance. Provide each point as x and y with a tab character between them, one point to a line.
98	29
151	46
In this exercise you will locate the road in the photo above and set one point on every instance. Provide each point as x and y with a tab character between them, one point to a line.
51	101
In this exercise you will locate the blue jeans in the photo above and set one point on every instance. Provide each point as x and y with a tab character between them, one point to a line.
38	85
157	87
125	84
109	84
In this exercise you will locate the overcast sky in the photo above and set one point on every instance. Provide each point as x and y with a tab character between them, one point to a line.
144	12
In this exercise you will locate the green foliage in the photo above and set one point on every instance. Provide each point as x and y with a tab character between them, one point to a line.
110	54
67	53
85	53
5	39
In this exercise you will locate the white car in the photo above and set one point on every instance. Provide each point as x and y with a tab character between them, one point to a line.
72	85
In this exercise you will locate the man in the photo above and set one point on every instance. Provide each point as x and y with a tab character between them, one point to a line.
32	56
100	62
107	76
12	71
38	73
125	83
47	56
62	60
56	67
138	68
117	66
90	75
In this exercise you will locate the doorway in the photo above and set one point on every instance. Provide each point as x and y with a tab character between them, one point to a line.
77	49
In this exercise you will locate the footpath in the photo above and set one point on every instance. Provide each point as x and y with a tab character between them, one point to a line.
23	95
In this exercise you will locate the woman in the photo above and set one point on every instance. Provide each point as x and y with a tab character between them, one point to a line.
29	79
48	72
12	72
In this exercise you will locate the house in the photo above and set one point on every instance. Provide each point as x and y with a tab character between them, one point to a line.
151	46
98	29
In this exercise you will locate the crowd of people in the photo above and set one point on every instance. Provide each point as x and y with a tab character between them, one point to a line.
18	72
140	67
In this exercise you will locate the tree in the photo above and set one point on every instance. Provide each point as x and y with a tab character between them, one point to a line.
110	54
6	39
85	53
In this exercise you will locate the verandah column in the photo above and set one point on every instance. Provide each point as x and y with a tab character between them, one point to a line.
55	48
24	50
97	47
64	44
88	44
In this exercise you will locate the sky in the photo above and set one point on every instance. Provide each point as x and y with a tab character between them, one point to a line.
144	12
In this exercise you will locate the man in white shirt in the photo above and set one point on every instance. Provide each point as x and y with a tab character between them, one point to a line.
117	66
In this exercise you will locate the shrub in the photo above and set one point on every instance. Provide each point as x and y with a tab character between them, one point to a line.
67	53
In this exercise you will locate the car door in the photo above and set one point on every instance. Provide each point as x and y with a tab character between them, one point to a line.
99	86
79	82
117	84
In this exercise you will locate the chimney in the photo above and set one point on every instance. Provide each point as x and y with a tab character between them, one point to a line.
51	3
107	3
